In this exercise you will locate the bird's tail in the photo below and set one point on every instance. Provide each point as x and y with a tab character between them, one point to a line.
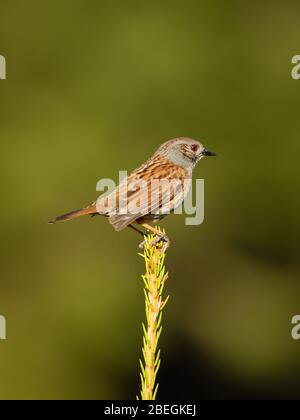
90	210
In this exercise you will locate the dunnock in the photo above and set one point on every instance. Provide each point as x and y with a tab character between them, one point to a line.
151	191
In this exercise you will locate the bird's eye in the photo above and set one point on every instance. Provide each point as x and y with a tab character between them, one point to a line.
194	147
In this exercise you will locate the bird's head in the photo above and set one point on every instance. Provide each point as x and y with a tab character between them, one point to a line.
184	151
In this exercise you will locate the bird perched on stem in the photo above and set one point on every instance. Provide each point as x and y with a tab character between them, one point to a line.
151	191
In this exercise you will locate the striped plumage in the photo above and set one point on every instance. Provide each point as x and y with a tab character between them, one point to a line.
173	161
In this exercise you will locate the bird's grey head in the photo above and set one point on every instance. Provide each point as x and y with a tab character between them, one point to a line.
184	151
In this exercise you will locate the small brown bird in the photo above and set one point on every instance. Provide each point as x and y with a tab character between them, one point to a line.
151	191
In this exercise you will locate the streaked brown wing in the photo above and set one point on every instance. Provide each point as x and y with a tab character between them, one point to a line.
153	189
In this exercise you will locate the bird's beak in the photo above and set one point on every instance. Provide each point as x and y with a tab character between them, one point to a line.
206	152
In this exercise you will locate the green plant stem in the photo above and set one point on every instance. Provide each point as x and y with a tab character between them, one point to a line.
154	282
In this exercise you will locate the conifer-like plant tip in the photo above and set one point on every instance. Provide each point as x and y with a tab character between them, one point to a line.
154	281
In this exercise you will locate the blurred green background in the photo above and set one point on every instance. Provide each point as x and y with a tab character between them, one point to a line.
94	87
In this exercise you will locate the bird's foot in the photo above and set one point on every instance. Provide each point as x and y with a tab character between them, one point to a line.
161	238
164	239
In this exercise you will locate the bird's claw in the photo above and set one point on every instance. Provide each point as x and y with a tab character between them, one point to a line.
159	238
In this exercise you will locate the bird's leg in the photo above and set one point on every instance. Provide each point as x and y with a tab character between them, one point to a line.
161	236
141	245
